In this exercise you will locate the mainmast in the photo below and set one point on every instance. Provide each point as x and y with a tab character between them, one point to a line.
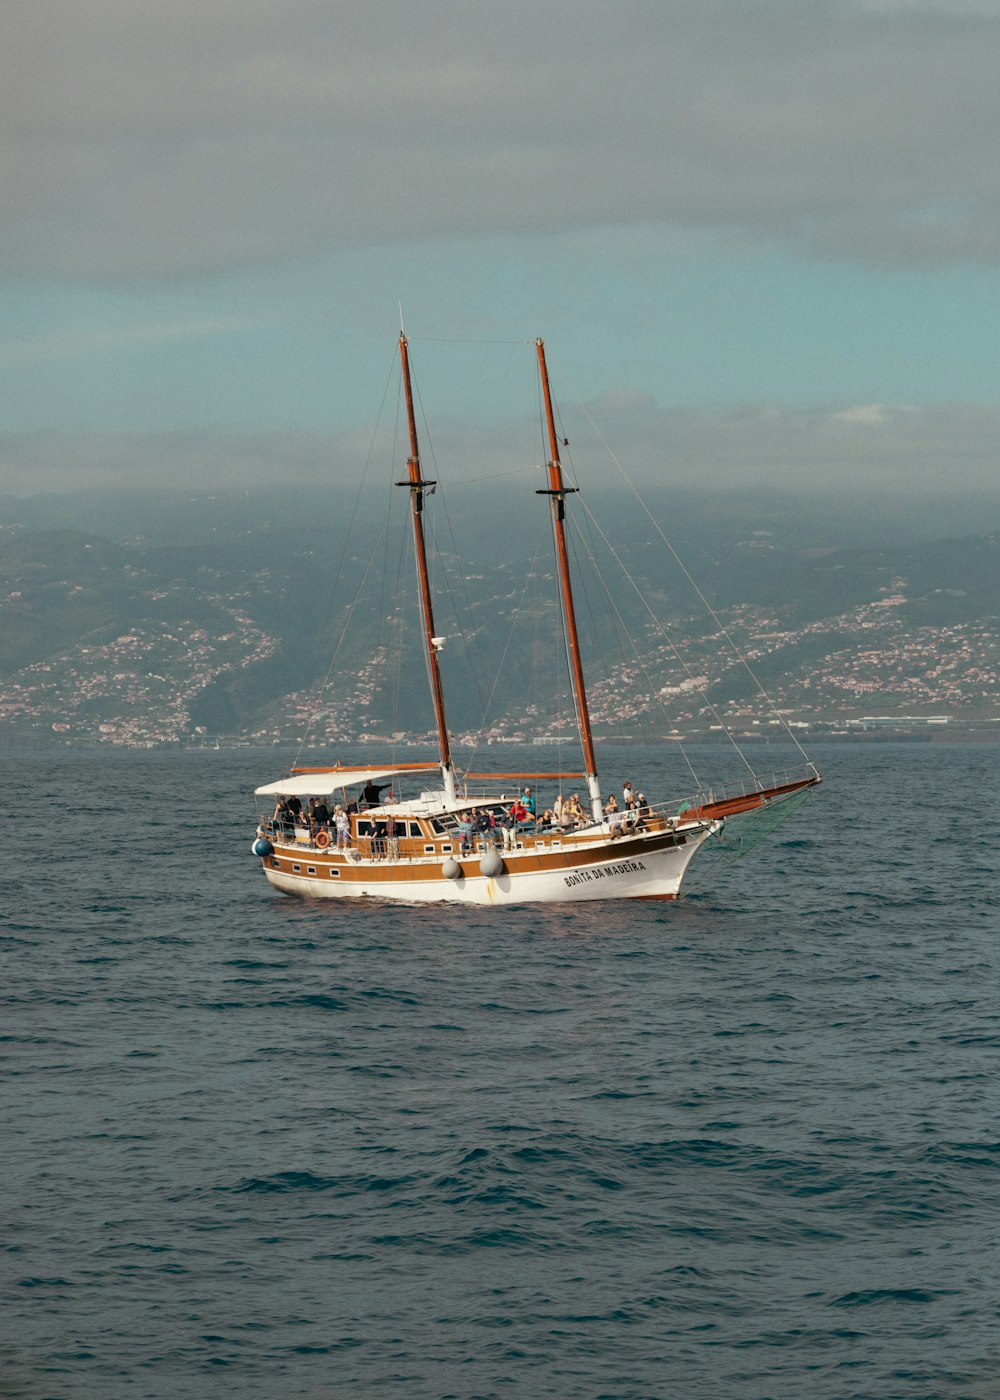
432	643
557	492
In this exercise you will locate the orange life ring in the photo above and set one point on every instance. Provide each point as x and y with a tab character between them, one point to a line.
322	839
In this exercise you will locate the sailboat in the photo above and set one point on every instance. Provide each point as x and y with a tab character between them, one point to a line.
474	838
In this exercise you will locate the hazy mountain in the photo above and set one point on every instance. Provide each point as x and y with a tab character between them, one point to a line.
235	602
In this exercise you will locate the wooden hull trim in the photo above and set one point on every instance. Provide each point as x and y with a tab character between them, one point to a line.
749	801
632	868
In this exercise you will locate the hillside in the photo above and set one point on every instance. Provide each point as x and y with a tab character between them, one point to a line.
222	617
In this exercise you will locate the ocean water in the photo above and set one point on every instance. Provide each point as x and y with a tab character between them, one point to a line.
742	1146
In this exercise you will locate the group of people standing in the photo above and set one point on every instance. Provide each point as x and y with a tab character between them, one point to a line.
566	814
630	815
483	824
315	822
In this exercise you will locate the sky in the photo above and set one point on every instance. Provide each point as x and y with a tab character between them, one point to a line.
760	238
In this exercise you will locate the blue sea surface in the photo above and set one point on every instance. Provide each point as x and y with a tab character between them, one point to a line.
746	1145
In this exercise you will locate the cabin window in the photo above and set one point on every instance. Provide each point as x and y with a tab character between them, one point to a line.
367	827
296	869
334	874
446	848
310	870
428	850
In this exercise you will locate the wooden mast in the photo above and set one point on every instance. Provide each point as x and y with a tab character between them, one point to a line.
417	486
557	492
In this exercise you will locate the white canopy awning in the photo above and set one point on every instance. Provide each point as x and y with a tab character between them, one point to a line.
330	780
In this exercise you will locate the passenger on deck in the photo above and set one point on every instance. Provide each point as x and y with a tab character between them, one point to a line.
283	817
343	824
557	810
373	792
485	827
627	794
611	805
529	801
465	828
547	820
320	813
508	826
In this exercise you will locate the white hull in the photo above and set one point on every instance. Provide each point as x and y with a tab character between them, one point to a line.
630	870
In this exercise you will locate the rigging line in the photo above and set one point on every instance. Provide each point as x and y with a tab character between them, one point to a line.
461	340
396	617
424	622
715	617
624	628
580	581
399	622
529	575
533	689
562	682
588	546
343	552
391	494
564	626
490	476
478	679
592	555
470	638
672	645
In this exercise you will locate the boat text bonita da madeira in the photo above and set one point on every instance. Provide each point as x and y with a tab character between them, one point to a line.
475	838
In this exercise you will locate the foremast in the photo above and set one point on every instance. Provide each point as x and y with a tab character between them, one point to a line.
417	486
557	492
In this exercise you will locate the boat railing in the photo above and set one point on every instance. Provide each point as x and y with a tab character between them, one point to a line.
722	792
527	834
523	836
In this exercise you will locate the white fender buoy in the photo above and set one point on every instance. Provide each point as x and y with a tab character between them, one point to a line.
451	869
491	863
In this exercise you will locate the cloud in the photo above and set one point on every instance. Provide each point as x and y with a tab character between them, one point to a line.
883	449
114	339
176	136
865	413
